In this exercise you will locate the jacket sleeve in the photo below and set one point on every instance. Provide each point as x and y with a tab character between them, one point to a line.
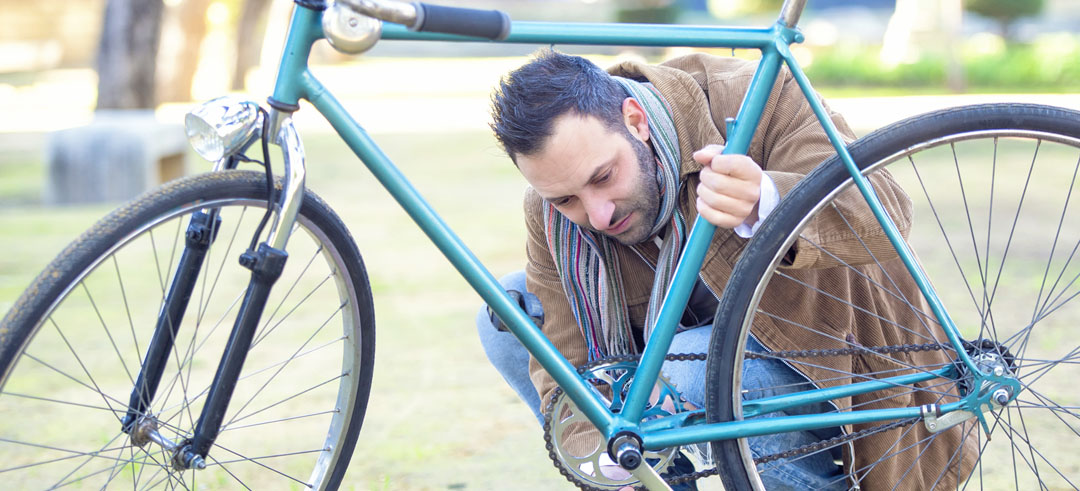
789	143
542	280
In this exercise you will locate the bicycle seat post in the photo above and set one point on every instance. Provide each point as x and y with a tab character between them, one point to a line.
791	11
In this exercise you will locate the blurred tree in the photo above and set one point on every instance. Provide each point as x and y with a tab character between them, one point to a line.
762	6
920	27
179	56
250	30
1004	12
127	53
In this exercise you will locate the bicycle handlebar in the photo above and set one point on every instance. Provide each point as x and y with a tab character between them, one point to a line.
417	16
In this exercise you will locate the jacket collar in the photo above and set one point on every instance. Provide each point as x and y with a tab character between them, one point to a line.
693	121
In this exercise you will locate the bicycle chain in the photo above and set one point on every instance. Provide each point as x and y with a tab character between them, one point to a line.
750	355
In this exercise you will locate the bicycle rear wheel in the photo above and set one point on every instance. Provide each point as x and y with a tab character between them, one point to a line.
72	346
991	190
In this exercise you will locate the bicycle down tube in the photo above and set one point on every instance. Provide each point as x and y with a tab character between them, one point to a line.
295	82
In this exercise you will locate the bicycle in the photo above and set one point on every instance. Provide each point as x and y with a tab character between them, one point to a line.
973	371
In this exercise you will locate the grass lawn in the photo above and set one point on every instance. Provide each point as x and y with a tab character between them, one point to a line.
440	417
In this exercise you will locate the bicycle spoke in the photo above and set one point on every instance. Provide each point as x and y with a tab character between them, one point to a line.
945	237
892	281
89	457
984	309
1053	248
288	292
1033	452
845	342
288	360
266	457
254	373
86	371
222	465
280	420
920	314
858	308
108	333
127	310
1063	302
312	292
1015	221
971	230
957	454
58	401
224	258
298	394
290	385
74	454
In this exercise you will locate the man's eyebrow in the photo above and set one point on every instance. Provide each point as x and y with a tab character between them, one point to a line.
603	167
595	175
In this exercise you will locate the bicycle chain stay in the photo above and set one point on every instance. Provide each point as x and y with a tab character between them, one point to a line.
549	445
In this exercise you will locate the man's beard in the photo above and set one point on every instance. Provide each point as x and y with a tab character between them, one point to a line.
646	200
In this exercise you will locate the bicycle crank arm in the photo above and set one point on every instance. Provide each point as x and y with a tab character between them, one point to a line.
648	476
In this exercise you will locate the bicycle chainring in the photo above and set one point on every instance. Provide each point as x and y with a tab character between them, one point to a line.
577	448
571	430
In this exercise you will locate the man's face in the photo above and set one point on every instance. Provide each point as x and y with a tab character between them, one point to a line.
601	179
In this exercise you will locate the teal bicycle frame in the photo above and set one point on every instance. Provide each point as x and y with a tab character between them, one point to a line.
295	82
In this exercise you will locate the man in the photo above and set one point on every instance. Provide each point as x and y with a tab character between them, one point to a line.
619	166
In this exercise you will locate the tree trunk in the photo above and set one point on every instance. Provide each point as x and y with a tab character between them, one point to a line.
250	30
180	54
127	54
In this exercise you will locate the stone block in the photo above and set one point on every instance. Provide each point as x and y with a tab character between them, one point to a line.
119	155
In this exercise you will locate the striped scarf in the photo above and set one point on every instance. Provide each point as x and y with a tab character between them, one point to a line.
588	262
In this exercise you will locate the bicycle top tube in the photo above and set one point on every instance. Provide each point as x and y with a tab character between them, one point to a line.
295	82
306	28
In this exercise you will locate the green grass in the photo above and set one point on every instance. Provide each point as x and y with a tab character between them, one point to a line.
440	416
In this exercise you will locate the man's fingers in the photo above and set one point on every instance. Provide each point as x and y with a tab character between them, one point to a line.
707	153
738	166
729	205
718	218
729	185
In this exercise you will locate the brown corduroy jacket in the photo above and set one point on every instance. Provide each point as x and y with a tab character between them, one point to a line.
703	91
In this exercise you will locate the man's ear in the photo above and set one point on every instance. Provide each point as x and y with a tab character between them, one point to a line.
635	119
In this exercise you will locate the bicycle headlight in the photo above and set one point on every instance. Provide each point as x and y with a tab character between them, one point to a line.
221	126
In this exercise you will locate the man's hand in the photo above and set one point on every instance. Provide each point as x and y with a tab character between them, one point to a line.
730	187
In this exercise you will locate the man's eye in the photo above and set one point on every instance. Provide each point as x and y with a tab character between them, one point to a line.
602	179
562	201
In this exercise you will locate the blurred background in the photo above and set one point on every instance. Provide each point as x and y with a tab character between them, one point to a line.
72	71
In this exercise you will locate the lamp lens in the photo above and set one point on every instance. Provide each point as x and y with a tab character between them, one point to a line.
221	126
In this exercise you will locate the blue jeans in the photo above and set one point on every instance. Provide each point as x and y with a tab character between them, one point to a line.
817	471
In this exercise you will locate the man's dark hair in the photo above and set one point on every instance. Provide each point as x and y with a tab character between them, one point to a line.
530	98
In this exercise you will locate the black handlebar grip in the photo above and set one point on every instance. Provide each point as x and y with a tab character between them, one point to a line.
490	24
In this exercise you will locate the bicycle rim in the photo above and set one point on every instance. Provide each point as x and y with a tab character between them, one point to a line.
992	192
300	399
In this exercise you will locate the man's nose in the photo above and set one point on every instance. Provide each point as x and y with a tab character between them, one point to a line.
599	211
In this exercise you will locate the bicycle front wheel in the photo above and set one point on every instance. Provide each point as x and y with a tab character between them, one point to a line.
983	195
73	346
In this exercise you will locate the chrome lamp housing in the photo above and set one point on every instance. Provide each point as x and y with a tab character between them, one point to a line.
220	127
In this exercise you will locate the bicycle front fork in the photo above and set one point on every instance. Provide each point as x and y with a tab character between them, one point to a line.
266	264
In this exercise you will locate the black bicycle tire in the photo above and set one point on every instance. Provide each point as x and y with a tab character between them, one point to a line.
19	324
763	249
